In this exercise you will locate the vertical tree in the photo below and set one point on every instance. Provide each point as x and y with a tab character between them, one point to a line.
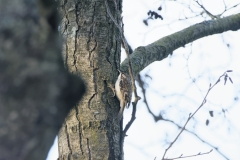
92	48
36	92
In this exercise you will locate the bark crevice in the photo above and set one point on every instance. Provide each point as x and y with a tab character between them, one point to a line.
97	111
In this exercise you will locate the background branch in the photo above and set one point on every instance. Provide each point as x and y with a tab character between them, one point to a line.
225	75
181	156
159	117
125	45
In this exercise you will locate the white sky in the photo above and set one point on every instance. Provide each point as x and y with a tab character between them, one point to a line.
171	91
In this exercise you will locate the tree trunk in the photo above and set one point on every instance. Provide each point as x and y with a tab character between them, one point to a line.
36	92
91	49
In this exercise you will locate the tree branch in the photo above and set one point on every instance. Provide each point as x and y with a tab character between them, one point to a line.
160	49
226	77
126	47
181	156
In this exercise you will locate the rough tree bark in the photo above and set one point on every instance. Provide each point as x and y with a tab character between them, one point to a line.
92	48
36	92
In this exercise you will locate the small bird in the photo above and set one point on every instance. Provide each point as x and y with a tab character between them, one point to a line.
123	90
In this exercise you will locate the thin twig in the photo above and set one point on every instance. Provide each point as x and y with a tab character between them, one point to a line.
160	117
125	44
203	102
197	136
181	156
132	119
141	85
207	12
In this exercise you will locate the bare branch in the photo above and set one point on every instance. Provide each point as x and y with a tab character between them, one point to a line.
207	12
159	117
181	156
191	115
132	119
198	137
160	49
125	45
141	83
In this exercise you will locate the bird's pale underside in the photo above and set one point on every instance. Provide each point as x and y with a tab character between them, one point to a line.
123	89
